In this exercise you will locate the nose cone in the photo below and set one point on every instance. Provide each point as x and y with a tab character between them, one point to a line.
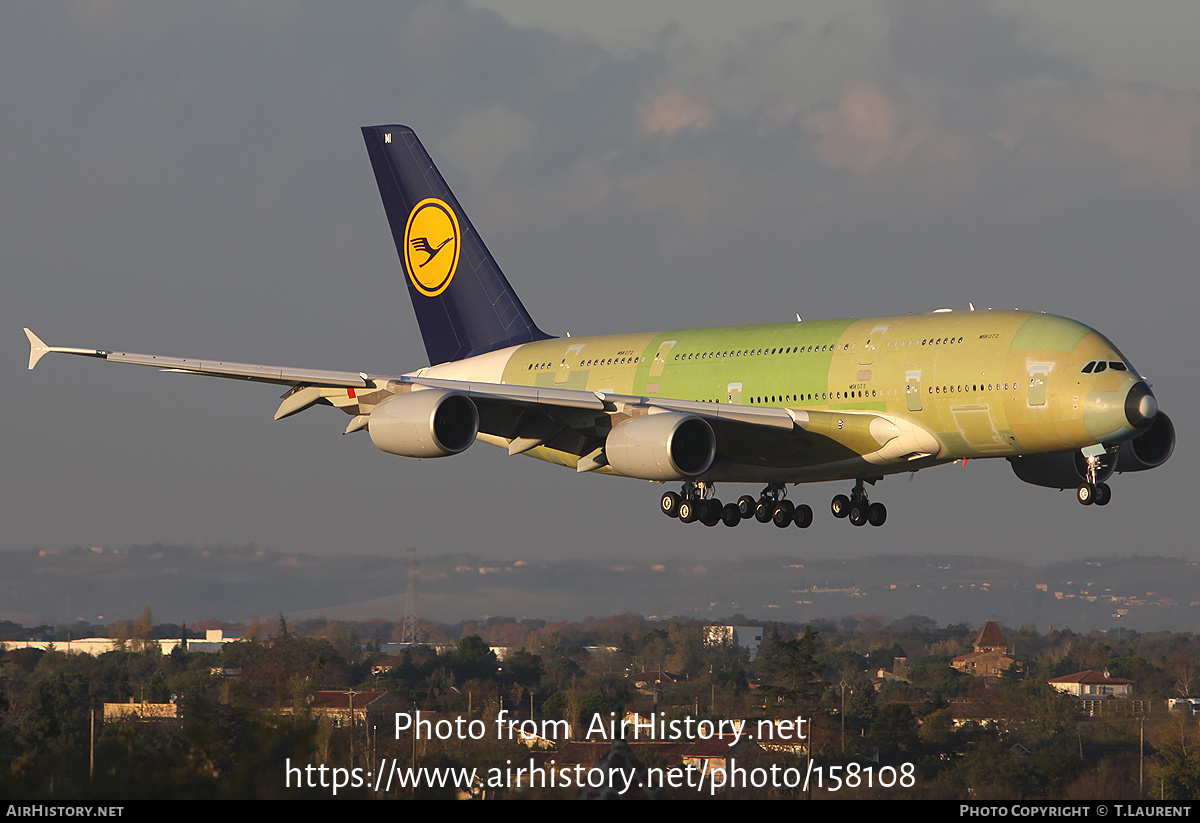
1140	406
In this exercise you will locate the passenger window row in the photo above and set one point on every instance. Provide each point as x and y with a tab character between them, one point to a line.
754	352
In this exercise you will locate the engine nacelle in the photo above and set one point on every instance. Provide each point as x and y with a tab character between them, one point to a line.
1064	470
665	446
424	423
1150	449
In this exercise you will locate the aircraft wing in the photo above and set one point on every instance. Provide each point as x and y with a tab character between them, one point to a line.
281	375
609	401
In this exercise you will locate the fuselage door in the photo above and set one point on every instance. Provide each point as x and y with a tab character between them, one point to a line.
564	366
1038	375
734	393
912	390
867	355
660	358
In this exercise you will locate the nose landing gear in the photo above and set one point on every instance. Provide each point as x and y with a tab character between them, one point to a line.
1090	491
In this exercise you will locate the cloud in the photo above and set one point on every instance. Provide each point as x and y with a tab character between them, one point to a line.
964	45
485	138
673	111
867	132
1152	133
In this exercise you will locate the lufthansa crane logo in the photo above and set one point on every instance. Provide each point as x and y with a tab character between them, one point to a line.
431	246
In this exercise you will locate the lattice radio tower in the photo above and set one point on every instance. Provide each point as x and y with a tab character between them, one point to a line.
409	633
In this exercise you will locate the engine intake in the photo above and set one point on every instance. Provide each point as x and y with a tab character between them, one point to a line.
424	423
1150	449
665	446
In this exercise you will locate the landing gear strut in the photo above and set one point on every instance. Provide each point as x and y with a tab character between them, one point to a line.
857	508
1090	491
774	507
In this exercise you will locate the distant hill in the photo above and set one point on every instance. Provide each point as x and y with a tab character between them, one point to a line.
233	583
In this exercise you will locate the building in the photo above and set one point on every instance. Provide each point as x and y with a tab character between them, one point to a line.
652	682
338	705
141	712
991	656
1093	684
749	637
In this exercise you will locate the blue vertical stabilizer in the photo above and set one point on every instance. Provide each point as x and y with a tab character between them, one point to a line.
464	304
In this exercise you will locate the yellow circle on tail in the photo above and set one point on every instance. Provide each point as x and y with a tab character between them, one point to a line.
431	246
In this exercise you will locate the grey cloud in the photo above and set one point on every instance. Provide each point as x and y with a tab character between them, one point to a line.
964	45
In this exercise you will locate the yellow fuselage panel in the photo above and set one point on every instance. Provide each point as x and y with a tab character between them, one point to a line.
986	383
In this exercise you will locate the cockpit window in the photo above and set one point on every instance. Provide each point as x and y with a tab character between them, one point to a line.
1097	366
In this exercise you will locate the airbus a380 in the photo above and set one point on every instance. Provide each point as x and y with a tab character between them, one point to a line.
780	404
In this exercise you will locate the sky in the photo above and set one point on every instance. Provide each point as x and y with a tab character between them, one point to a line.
189	179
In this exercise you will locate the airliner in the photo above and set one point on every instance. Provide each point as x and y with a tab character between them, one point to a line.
850	400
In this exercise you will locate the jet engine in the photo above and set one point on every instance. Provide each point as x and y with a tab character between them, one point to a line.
424	423
1064	470
1150	449
666	446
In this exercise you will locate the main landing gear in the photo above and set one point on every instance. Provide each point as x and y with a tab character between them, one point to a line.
857	508
696	501
1090	491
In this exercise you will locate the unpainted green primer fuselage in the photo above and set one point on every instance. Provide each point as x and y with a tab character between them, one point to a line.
981	383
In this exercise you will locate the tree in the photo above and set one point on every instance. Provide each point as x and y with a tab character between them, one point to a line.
937	727
1037	708
143	631
473	660
524	669
1175	770
895	724
791	666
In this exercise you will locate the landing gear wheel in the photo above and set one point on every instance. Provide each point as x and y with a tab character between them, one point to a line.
731	515
711	514
1103	494
876	514
746	505
858	514
688	511
803	516
782	517
840	506
1086	494
670	504
764	511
